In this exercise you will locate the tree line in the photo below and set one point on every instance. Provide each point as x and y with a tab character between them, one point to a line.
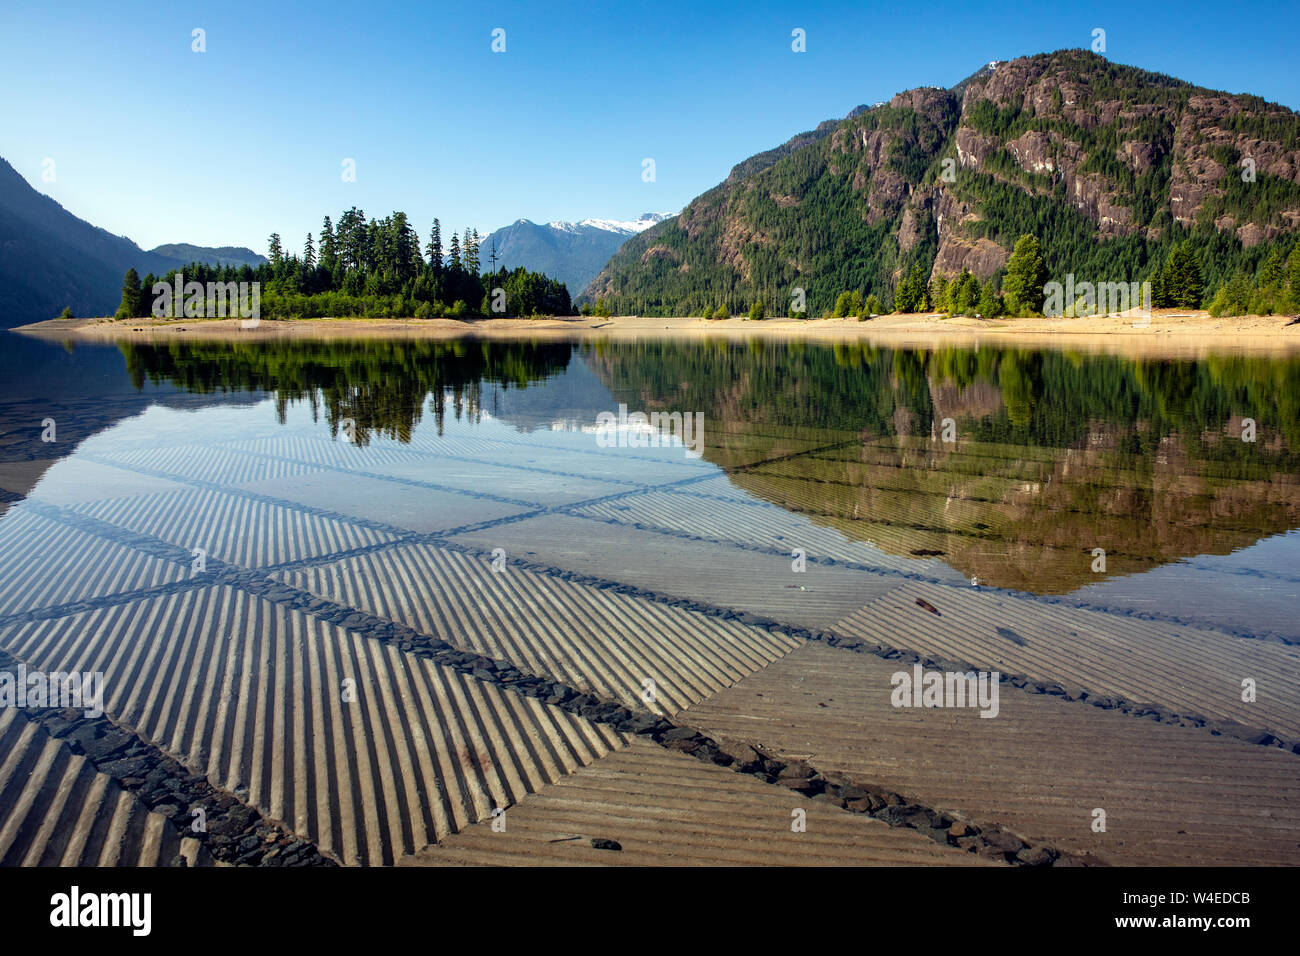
373	268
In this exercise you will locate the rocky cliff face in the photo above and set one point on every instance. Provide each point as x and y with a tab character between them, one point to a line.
952	177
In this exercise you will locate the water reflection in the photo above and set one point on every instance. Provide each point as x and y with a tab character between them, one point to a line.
1053	454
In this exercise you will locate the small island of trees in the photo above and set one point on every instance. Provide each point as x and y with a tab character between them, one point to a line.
373	269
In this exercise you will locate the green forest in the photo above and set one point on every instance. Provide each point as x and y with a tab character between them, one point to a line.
381	385
375	269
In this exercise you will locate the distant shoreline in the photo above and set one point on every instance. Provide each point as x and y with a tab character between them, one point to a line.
1170	331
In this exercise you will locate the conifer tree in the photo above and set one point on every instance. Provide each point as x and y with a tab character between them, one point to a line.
1182	283
1026	275
471	252
328	254
132	297
435	247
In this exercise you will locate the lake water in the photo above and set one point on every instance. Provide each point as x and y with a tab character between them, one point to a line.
226	529
839	451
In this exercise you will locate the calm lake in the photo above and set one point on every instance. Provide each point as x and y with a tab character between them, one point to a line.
357	598
1135	485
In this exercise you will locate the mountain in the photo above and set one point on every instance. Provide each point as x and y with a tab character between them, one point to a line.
572	252
1108	165
50	259
219	256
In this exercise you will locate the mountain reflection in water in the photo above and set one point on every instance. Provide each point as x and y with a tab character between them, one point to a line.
1055	453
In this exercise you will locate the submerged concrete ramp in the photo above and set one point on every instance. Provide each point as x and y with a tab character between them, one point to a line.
595	639
1171	795
663	808
1187	669
61	811
365	750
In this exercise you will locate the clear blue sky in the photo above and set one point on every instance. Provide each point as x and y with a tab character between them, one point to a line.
161	144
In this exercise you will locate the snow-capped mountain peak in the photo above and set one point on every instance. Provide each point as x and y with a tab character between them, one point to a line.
613	225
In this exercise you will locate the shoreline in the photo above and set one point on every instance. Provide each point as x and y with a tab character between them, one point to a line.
1170	330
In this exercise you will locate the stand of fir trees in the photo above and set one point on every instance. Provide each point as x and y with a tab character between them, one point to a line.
376	269
1018	290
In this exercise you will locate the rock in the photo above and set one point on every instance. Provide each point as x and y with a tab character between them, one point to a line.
904	816
600	843
1000	846
962	829
1037	856
235	821
801	777
677	733
106	746
127	767
645	724
746	758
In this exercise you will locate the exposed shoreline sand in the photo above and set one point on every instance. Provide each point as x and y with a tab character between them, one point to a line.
1170	331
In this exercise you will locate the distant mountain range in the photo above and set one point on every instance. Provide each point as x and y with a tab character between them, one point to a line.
1108	165
221	256
572	252
50	259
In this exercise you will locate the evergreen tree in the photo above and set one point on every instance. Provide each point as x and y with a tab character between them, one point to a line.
1292	300
328	254
988	302
435	247
309	254
910	296
1232	298
132	297
275	252
1026	275
454	253
1181	281
471	252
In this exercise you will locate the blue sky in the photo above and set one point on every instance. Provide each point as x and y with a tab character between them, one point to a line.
161	144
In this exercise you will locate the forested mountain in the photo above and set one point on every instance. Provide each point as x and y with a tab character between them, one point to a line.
185	253
50	259
1108	166
572	252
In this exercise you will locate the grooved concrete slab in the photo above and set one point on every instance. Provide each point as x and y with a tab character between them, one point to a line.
1173	796
665	808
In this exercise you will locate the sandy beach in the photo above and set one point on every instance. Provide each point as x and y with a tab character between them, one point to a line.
1170	331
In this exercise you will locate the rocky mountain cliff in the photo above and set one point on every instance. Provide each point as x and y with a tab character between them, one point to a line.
1108	165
